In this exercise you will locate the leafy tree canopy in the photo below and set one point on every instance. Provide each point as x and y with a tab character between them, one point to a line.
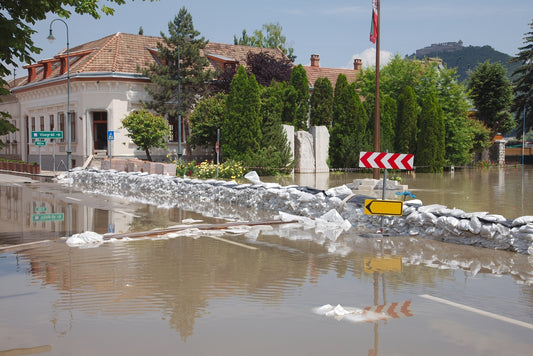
146	130
267	68
206	118
268	37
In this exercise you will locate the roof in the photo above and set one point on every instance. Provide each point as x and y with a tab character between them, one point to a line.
313	73
125	53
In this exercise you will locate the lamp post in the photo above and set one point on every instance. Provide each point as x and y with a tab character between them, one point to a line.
179	105
51	38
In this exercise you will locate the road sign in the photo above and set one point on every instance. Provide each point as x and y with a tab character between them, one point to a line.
386	160
47	134
40	209
48	217
383	264
40	143
110	135
383	207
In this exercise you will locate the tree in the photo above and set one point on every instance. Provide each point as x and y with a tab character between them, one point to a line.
491	92
407	121
266	67
523	81
205	119
146	130
275	151
430	152
16	25
321	103
192	76
241	129
296	109
387	123
348	132
269	37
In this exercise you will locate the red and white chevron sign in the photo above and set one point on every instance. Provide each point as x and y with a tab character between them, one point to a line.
392	310
386	160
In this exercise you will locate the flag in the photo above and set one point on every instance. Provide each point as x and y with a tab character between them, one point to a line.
374	23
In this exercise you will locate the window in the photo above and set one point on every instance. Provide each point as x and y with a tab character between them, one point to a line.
32	120
52	126
73	126
41	123
61	117
173	126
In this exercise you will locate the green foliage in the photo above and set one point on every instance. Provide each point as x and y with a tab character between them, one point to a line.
321	103
5	128
296	109
268	37
523	81
347	136
146	130
206	170
241	129
431	150
387	123
275	156
407	121
183	68
205	119
491	92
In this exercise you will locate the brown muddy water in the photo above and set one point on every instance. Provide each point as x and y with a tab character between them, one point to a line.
204	296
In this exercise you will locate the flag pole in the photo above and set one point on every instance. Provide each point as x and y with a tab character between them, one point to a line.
377	145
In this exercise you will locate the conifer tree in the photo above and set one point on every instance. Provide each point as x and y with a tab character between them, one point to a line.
321	103
193	76
406	126
387	123
430	151
241	130
523	81
296	109
348	130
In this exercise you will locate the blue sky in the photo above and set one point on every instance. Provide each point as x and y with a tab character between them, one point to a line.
337	30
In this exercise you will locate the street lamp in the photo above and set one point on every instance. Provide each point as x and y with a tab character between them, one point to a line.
179	106
51	38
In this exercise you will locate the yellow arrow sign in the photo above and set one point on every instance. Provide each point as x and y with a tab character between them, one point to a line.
383	264
383	207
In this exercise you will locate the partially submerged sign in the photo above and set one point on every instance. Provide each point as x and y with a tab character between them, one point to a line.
383	264
383	207
48	217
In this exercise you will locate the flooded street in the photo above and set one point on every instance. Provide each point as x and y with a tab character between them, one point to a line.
234	295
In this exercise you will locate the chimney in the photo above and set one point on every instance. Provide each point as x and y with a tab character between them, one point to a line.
357	64
32	71
315	60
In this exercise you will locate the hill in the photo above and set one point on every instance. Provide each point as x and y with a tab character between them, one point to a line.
465	59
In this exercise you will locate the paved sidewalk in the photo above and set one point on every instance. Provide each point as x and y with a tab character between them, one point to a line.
19	177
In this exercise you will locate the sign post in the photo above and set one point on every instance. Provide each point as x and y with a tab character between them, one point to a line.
110	138
46	135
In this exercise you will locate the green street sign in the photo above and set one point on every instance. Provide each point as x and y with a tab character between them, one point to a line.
48	217
40	209
40	143
46	134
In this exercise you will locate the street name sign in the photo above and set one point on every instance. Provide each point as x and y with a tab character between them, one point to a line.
48	217
40	209
46	134
383	207
386	160
40	143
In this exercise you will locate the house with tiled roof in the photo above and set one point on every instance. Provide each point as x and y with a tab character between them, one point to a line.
315	71
102	83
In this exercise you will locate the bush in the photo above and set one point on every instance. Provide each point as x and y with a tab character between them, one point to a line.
207	169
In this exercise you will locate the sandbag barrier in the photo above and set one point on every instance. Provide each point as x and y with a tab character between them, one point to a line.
222	199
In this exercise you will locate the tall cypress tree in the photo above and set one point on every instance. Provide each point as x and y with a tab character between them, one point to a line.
241	130
349	126
406	126
192	76
431	150
321	103
387	122
296	110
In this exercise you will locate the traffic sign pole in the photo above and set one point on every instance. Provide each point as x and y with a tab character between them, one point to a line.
110	139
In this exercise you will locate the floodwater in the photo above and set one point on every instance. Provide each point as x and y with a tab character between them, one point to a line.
205	296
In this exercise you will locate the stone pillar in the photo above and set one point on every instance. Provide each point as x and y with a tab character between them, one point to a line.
320	147
304	152
289	132
497	152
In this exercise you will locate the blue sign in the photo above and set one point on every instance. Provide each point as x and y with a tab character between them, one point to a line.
110	135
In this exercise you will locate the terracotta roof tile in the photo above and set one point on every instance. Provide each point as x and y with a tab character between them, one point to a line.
313	73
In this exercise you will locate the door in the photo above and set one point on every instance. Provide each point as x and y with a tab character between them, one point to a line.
100	130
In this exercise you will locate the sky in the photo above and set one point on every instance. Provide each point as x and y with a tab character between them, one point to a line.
336	30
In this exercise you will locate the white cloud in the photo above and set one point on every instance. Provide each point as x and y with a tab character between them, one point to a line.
369	58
